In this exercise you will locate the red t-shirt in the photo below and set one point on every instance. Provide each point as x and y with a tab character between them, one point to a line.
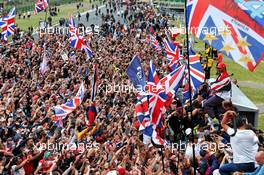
28	167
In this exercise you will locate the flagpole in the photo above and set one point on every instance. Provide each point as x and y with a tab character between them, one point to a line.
189	81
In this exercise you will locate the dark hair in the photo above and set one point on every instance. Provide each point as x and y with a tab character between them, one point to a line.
240	121
15	160
229	105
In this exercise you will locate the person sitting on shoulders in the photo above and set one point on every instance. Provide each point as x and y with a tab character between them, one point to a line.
244	143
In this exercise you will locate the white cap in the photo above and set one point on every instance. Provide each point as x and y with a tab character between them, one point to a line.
188	131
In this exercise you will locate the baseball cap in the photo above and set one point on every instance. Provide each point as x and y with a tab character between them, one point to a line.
221	65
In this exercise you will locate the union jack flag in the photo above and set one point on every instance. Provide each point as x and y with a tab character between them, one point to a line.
151	106
91	112
147	128
157	95
172	81
186	91
78	41
221	81
232	31
196	70
143	115
71	28
61	111
40	5
7	24
161	91
142	111
197	75
154	42
173	54
156	140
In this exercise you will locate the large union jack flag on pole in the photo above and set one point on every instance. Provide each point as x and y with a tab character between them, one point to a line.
40	5
151	104
196	70
7	24
197	75
231	27
157	95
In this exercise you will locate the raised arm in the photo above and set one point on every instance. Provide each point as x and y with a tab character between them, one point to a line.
226	119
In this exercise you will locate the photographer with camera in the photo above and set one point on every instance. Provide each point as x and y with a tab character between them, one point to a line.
244	143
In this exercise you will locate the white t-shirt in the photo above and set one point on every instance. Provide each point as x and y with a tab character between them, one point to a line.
244	145
20	171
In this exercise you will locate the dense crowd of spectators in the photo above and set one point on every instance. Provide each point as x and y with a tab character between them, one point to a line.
32	143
